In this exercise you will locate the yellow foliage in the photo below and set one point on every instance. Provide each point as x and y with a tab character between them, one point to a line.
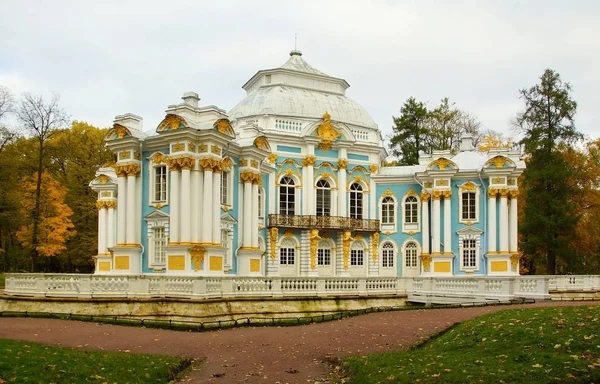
491	142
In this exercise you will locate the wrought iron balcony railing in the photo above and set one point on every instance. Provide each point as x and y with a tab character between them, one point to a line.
323	222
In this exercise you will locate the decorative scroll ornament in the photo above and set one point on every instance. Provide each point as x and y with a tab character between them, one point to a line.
226	163
388	192
512	181
514	262
106	194
244	162
171	122
197	256
178	163
346	241
124	155
215	149
342	163
442	163
273	232
289	172
309	160
224	126
325	175
136	155
178	147
118	131
254	163
128	170
492	192
425	196
202	148
411	192
210	164
513	193
314	238
272	158
325	145
251	177
447	194
326	131
498	180
468	186
426	261
103	179
373	168
442	183
428	184
374	244
436	195
261	142
101	204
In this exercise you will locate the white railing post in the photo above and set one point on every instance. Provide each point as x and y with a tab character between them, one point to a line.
85	286
227	287
362	286
199	286
276	286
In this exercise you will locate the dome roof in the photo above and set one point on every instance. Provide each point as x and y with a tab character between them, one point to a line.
296	89
470	160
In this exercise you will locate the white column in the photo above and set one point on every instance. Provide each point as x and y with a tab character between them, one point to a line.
305	207
254	224
435	223
513	222
503	222
175	200
130	220
424	222
137	221
372	200
492	221
310	190
207	203
342	193
194	192
186	218
199	197
122	209
271	200
334	205
247	219
102	230
216	207
447	222
110	228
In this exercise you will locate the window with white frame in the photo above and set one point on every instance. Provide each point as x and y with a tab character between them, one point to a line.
387	255
287	252
356	201
287	196
468	206
468	203
411	210
410	255
225	188
324	253
469	256
323	198
357	254
261	203
469	248
160	183
159	243
388	211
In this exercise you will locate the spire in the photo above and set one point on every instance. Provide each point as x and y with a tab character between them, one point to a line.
295	52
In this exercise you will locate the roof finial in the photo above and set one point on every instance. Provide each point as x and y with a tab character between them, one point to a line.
295	52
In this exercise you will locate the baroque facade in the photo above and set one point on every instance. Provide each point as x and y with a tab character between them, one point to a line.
290	182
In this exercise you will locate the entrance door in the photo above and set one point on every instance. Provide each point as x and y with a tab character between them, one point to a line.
411	266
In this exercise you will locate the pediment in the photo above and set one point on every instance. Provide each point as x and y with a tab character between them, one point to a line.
156	215
469	231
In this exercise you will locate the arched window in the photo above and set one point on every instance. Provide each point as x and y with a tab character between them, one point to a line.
387	255
357	254
411	210
356	201
323	198
287	252
410	259
388	211
324	253
287	196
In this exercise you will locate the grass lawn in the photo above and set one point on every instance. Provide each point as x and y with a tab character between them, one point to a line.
23	362
1	281
542	345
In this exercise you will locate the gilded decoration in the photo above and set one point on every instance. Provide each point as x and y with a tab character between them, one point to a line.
108	204
202	148
124	155
272	158
468	186
105	194
178	147
425	196
244	163
428	184
410	192
178	163
426	261
498	180
514	262
325	145
309	160
442	164
136	155
326	131
346	241
442	183
498	162
436	195
358	237
224	126
103	179
503	192
492	192
215	149
158	158
288	233
373	168
273	239
342	163
251	177
513	193
289	172
325	175
447	194
512	182
118	131
210	164
226	163
261	142
314	238
197	256
254	163
374	244
128	170
171	122
388	192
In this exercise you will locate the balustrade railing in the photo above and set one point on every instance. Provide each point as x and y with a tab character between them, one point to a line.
323	222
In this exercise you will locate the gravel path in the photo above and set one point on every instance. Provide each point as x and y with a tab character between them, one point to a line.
257	355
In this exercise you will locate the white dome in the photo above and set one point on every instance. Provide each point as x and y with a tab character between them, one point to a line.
296	89
470	160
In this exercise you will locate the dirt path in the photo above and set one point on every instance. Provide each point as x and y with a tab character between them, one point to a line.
256	355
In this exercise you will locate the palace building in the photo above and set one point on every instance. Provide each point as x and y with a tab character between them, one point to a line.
291	182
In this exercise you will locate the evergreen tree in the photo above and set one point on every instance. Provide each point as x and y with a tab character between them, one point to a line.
548	121
410	132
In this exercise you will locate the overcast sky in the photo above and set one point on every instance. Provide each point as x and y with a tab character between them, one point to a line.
111	57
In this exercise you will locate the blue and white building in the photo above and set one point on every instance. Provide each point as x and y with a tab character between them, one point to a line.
290	182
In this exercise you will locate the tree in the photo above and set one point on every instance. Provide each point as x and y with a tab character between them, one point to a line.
410	132
546	122
444	126
54	226
40	119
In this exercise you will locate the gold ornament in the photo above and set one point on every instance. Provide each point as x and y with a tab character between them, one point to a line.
314	238
261	142
197	255
374	244
346	241
224	126
425	196
309	160
171	122
124	155
514	262
215	149
158	158
426	261
273	239
514	193
388	192
178	147
272	158
373	168
468	186
342	163
326	131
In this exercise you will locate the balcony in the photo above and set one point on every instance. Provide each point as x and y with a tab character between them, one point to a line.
323	222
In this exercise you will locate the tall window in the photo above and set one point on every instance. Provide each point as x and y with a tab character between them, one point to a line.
287	194
410	260
159	243
225	188
160	183
287	252
356	201
469	253
323	198
224	238
411	210
387	255
324	253
468	206
388	211
357	254
260	203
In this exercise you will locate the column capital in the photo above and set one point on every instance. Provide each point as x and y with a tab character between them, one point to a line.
514	193
492	192
250	177
447	194
211	164
342	163
373	168
309	160
437	195
101	204
503	192
128	170
272	158
425	196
